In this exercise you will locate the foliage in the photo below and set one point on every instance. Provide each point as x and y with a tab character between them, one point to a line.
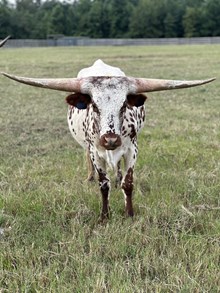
50	236
110	18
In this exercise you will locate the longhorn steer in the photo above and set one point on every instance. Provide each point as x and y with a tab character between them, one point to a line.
106	112
4	41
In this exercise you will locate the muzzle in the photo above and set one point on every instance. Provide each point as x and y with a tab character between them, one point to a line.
110	141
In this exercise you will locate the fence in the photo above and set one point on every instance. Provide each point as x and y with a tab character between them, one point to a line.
78	41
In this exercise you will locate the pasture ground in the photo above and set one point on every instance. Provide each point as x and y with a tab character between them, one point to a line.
51	239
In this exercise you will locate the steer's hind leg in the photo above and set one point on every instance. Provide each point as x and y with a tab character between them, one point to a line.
91	168
127	187
127	181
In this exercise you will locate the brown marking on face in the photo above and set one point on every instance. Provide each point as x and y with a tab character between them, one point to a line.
133	132
124	133
142	113
70	113
93	127
95	108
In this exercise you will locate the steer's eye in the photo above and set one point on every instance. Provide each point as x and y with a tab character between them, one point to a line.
78	100
81	105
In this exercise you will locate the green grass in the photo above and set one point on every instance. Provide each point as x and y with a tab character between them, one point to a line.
53	241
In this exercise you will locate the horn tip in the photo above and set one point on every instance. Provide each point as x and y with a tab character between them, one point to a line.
7	75
211	79
4	73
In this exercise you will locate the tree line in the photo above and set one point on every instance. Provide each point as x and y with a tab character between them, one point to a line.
110	18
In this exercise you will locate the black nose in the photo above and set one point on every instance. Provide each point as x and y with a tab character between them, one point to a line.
110	141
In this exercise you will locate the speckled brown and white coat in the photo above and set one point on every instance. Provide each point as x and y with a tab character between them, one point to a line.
107	128
106	112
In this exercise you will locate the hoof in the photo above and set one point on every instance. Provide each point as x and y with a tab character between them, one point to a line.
105	215
130	213
103	218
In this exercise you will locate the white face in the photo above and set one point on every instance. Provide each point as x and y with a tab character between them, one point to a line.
109	107
108	96
108	88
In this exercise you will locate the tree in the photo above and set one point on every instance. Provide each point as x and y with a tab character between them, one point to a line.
174	10
98	18
192	22
147	19
211	24
83	9
170	26
5	19
57	19
120	18
110	18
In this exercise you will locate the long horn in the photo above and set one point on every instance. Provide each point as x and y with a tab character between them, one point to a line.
60	84
4	41
151	85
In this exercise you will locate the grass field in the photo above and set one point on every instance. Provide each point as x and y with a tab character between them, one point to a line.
51	239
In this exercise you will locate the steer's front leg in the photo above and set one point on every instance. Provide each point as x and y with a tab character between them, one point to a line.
104	184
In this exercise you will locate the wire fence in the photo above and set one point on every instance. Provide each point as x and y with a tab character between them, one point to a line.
83	41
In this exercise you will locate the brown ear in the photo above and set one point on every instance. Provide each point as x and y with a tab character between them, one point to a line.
78	100
136	100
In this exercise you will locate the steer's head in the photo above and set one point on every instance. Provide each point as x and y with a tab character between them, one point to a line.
108	97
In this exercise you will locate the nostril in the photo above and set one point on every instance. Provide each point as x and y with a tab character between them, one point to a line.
111	140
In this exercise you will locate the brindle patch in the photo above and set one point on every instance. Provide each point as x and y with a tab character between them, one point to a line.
127	186
133	132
